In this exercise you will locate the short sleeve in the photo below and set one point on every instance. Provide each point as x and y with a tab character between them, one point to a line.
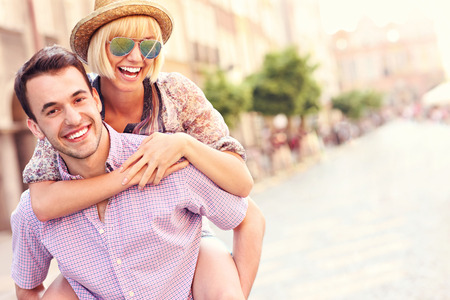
31	260
43	165
225	210
196	114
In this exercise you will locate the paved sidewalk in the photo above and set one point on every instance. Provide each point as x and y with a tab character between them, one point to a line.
6	283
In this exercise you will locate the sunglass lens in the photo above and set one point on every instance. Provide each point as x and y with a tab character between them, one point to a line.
150	48
120	46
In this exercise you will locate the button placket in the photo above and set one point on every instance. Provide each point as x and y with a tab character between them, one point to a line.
115	254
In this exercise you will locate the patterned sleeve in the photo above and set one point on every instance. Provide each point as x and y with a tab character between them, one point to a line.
43	165
198	117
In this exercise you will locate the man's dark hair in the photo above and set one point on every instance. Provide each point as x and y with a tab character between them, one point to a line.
47	60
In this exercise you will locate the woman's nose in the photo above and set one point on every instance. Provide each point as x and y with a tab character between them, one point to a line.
135	54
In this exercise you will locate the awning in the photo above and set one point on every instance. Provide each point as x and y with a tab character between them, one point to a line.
437	96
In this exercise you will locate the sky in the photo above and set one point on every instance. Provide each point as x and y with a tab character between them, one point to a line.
345	14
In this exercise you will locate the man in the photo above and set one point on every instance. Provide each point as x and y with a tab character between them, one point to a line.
137	244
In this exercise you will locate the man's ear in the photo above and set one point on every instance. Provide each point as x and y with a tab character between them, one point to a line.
35	129
97	99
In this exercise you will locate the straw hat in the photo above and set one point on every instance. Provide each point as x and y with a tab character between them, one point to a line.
106	11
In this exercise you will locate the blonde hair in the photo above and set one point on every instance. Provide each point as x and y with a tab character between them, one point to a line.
130	26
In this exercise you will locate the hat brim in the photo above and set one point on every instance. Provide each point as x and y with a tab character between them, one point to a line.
83	31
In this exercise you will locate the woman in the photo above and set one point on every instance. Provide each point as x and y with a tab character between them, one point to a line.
122	41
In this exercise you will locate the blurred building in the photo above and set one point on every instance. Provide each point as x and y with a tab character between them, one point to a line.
401	60
304	29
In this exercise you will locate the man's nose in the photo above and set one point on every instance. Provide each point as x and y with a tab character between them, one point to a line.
72	116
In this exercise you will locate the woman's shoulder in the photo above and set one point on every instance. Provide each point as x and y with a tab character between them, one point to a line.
171	79
176	84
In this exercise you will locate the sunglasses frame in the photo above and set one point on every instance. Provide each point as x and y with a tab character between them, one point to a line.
134	44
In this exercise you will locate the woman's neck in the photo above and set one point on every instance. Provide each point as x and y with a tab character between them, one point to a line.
121	107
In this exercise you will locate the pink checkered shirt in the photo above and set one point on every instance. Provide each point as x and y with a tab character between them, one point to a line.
147	247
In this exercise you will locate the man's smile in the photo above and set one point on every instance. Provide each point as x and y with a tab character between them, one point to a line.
76	135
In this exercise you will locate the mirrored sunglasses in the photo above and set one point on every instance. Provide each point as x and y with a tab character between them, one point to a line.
121	46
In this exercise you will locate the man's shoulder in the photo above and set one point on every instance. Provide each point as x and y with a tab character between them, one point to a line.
24	208
131	141
25	201
124	141
194	177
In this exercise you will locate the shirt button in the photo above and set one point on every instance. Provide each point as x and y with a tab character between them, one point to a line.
101	231
131	294
119	261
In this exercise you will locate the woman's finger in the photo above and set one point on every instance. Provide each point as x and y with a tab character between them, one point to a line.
148	176
132	159
136	168
176	167
159	175
147	142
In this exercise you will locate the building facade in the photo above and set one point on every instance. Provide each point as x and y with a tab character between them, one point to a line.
401	60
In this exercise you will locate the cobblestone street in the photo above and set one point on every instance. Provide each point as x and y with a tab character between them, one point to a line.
370	220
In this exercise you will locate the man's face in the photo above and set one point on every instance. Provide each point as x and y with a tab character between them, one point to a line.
66	112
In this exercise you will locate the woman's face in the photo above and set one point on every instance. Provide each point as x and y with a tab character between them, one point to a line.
131	69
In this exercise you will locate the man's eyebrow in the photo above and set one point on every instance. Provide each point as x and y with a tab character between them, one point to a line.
49	104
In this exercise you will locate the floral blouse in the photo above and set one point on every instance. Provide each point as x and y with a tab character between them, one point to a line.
183	108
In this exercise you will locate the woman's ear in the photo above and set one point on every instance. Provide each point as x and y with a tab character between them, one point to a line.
35	129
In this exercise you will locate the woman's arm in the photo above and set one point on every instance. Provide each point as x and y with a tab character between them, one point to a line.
159	151
227	169
54	199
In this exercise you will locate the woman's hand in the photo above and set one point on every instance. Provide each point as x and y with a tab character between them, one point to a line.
157	157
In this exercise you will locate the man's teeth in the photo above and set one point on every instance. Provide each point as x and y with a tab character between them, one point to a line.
77	134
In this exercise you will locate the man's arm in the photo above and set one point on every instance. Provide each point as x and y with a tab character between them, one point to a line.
247	246
36	293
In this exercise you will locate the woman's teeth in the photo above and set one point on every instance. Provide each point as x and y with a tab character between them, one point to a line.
77	134
129	71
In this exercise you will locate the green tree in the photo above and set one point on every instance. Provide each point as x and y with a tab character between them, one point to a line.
228	98
286	85
356	103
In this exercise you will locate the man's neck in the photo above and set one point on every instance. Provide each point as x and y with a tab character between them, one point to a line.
93	165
